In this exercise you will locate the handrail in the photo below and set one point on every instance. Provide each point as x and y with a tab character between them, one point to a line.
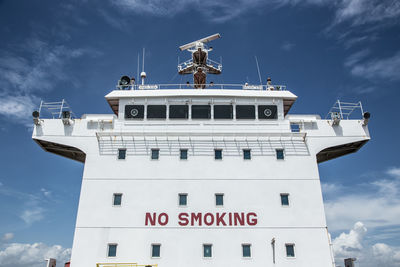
256	87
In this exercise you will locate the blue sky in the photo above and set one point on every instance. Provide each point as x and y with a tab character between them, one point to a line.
322	50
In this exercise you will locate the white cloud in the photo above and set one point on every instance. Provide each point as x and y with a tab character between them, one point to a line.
386	68
7	236
32	214
395	172
287	46
33	255
353	244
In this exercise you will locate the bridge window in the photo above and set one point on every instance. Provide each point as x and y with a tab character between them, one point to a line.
117	199
178	111
285	199
112	250
121	153
134	111
155	153
156	111
289	250
245	112
223	112
246	250
295	127
267	112
155	250
201	111
207	250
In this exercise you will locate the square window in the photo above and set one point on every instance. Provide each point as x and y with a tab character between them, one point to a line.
285	199
201	111
178	111
117	199
223	111
182	199
155	153
183	154
112	250
156	111
246	154
219	199
155	250
246	250
289	250
280	154
295	127
218	153
121	153
207	250
245	112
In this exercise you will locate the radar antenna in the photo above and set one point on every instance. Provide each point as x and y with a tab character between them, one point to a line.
199	65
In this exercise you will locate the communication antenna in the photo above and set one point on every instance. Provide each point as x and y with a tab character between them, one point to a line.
200	65
143	74
138	64
258	69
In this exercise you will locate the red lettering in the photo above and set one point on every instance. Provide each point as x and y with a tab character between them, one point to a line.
238	218
220	219
230	219
151	219
196	217
252	221
209	222
183	220
160	219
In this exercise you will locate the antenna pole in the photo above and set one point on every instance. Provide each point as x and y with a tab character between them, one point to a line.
138	68
258	69
143	59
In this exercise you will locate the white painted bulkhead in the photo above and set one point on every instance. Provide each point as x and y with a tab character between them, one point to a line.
249	186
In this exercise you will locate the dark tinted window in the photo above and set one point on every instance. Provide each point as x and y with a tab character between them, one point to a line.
156	111
289	250
121	153
112	250
223	112
178	111
201	111
182	199
183	154
219	199
285	199
155	251
245	112
207	252
155	153
246	250
117	199
218	153
268	112
134	112
246	154
280	154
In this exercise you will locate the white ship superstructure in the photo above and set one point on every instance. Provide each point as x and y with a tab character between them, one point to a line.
220	175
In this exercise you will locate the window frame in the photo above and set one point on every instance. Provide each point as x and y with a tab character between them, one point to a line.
119	155
211	251
152	250
238	107
108	249
155	118
178	118
158	154
294	250
243	246
113	199
231	111
198	118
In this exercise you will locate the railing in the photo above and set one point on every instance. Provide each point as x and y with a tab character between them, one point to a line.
256	87
124	265
209	62
343	110
55	109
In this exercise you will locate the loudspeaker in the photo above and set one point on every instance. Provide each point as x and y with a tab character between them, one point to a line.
134	112
268	112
